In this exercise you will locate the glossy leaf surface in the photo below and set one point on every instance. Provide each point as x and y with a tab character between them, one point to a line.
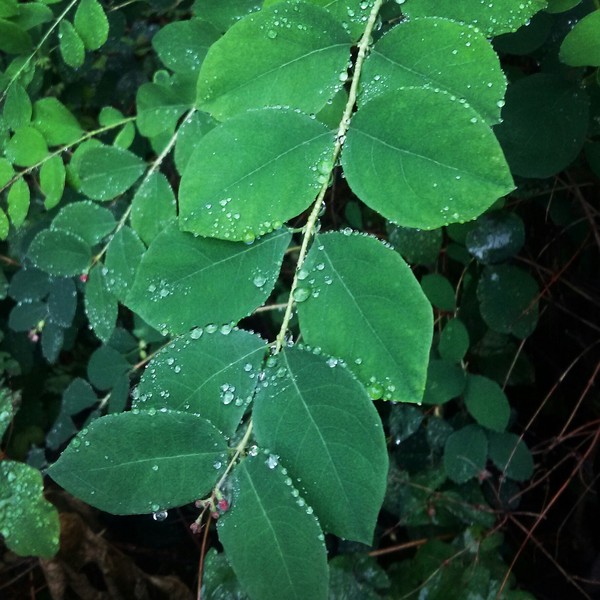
414	176
185	281
298	54
322	424
142	462
230	195
210	374
270	530
441	54
493	18
374	309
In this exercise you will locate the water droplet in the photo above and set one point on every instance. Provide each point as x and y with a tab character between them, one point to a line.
301	294
271	34
272	461
196	334
160	515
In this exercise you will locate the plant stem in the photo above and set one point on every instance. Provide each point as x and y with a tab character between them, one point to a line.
310	227
153	167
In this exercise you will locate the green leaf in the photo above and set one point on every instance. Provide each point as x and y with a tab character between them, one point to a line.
545	122
17	107
28	522
107	172
123	257
508	299
13	40
318	419
85	219
53	337
494	18
32	14
558	6
414	176
374	310
269	530
153	207
299	52
487	403
581	46
26	315
60	253
105	368
52	181
182	46
139	462
496	237
415	245
18	202
352	14
439	291
7	410
29	284
78	396
56	122
185	281
188	134
71	45
454	341
213	375
510	454
26	148
62	301
230	194
6	171
4	225
440	54
445	381
91	24
159	108
100	305
465	453
224	14
9	8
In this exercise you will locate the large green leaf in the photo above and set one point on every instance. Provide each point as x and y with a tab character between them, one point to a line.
52	181
211	374
288	54
441	54
142	462
431	159
227	187
510	454
106	172
185	281
322	424
361	302
182	45
13	40
493	18
545	122
71	46
271	537
28	522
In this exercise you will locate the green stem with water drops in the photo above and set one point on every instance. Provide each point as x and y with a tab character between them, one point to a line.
311	224
310	228
153	167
